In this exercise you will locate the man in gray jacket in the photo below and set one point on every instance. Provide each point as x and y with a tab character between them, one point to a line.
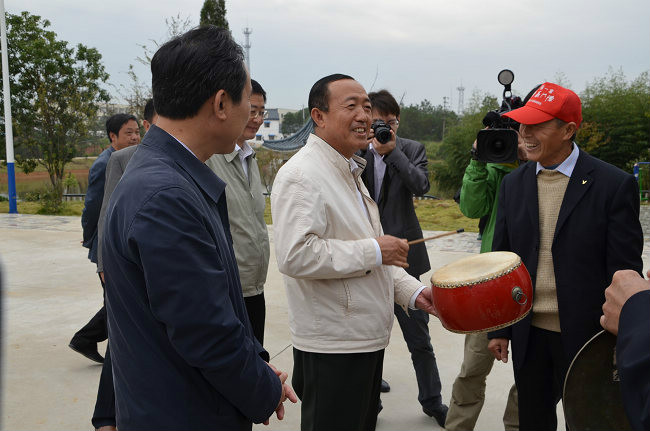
246	202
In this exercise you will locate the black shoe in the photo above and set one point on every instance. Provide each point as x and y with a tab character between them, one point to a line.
89	352
385	387
380	407
439	413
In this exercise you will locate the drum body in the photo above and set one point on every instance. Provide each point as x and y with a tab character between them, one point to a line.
482	292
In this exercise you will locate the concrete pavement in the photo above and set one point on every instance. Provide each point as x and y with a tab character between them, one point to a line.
51	290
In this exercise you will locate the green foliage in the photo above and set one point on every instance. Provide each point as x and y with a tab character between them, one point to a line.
616	119
55	92
425	122
213	12
269	163
293	121
51	203
70	181
454	150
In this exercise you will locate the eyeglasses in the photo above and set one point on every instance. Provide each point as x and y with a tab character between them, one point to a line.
393	123
255	114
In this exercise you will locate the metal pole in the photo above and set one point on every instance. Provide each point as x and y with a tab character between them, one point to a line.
11	173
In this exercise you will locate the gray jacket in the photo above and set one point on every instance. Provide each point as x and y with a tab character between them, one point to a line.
246	202
114	170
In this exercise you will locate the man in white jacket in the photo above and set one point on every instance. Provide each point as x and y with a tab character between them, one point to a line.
342	274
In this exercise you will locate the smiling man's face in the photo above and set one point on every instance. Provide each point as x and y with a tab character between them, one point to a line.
347	121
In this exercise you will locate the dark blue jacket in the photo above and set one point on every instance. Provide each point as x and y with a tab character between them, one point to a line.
597	233
184	355
93	202
633	359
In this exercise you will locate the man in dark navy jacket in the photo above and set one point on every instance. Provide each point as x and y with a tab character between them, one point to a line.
183	352
122	131
626	313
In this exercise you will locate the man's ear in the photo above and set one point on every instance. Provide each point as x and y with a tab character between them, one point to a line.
571	129
221	102
113	137
318	116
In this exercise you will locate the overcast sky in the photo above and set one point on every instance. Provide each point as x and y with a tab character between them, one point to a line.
416	49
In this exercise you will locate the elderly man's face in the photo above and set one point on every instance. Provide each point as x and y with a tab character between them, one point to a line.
347	121
546	143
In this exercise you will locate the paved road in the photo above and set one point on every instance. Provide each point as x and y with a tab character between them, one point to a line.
51	290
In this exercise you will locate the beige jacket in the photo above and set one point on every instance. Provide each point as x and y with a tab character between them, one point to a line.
246	204
340	301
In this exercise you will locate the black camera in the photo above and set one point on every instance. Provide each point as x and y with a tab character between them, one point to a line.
382	131
498	143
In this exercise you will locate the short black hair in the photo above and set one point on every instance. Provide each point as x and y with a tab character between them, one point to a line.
257	89
384	102
149	111
319	93
115	123
191	68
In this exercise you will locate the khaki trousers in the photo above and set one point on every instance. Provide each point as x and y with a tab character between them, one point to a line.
468	392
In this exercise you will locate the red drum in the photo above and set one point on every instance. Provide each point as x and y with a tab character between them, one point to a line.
483	292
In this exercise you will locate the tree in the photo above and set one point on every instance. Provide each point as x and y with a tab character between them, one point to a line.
454	150
55	91
213	12
425	122
616	119
293	121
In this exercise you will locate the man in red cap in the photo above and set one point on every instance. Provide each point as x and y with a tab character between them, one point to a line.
574	220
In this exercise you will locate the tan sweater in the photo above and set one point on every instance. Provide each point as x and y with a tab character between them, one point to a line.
551	186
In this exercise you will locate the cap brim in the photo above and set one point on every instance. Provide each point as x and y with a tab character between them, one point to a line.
528	115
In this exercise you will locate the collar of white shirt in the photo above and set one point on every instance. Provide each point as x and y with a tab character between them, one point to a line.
567	166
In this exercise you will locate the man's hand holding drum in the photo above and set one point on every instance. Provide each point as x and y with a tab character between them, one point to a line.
624	285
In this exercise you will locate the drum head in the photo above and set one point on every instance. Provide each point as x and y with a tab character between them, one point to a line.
473	269
592	394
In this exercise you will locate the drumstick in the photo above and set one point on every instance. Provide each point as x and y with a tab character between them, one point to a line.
417	241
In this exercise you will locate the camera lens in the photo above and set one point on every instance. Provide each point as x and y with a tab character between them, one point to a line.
382	131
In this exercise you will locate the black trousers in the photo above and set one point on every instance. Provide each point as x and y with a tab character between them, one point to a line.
104	413
415	328
540	380
95	330
338	391
256	309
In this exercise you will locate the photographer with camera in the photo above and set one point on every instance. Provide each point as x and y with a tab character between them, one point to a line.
479	198
396	170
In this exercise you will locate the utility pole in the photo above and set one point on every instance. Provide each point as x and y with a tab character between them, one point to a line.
247	47
445	108
461	94
9	134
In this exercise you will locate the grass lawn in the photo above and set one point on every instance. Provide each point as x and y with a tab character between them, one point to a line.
72	208
433	214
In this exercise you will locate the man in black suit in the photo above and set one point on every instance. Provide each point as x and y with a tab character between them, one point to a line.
122	131
574	220
395	171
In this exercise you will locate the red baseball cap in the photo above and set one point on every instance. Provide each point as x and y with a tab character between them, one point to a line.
549	101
